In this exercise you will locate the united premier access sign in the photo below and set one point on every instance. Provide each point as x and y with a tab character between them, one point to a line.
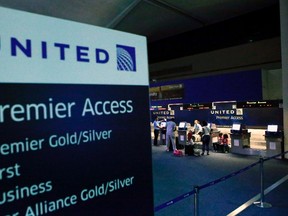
74	119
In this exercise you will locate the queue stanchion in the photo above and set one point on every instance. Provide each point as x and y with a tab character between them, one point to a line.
196	200
262	203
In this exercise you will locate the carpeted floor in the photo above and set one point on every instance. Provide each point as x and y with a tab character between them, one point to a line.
176	176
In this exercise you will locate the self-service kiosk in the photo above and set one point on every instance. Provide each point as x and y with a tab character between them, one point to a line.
240	138
182	133
163	133
274	141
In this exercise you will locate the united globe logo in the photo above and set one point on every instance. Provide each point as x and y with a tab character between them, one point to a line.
126	58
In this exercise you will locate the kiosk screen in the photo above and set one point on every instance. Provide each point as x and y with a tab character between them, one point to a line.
182	125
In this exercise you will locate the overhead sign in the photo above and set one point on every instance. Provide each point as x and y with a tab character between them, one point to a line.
250	117
73	100
167	92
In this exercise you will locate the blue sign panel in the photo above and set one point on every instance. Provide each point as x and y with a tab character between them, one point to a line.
70	144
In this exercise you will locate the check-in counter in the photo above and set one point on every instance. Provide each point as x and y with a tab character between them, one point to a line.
240	141
274	143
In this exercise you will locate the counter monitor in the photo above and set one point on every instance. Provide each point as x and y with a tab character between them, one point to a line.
236	127
272	128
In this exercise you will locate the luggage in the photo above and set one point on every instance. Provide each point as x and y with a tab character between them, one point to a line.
189	150
197	152
197	149
178	153
178	146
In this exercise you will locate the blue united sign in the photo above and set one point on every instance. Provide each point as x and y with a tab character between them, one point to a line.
68	115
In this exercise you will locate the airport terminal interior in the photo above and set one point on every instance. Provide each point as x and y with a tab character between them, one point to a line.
214	61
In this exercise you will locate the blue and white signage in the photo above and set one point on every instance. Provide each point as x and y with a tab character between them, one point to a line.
58	51
74	119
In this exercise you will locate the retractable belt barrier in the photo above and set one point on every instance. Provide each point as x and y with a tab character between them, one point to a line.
186	195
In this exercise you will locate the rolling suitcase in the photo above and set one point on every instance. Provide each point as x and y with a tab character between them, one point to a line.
189	150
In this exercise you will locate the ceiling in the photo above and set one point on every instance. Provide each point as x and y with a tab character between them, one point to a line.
158	20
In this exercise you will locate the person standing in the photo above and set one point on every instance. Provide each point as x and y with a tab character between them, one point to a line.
205	137
219	145
197	128
156	125
170	136
225	143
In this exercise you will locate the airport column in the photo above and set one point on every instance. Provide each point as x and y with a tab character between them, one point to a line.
284	52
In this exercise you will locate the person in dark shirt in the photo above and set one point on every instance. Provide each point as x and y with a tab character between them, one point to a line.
205	137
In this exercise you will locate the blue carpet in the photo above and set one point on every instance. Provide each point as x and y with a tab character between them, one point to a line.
175	176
